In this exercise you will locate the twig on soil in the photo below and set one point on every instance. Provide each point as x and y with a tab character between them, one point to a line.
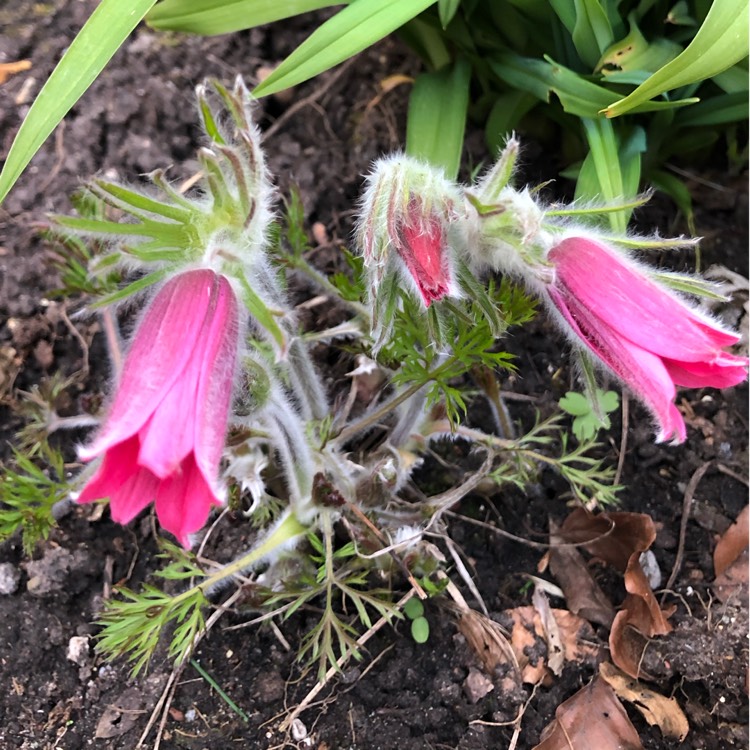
726	470
83	373
60	153
528	542
307	700
165	700
687	503
309	99
623	439
513	722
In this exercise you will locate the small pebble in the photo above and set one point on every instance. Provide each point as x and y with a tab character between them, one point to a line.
9	578
78	650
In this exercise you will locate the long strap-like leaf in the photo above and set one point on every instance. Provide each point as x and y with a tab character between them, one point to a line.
99	39
359	25
721	42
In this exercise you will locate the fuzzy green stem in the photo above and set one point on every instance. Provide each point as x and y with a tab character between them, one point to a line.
375	416
300	264
290	528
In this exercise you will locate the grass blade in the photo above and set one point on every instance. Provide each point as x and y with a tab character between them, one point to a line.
209	17
101	36
721	42
437	117
359	25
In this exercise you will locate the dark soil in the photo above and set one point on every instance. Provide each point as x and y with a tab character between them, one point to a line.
139	116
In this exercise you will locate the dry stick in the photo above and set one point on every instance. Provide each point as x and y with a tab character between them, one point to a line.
623	438
339	663
686	505
309	99
165	700
726	470
113	340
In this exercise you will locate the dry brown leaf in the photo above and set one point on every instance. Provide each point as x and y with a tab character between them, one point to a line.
582	594
656	709
732	543
619	539
11	68
612	537
733	582
488	640
593	719
555	651
529	641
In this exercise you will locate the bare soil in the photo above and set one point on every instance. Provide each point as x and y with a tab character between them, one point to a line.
139	116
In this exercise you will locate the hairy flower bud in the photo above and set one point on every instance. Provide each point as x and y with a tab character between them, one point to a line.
409	226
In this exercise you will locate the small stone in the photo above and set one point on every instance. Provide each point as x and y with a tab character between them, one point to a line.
299	730
477	685
78	650
9	578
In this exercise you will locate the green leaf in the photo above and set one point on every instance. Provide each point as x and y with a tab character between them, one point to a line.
98	40
446	10
437	117
209	17
718	110
413	608
601	176
592	32
575	404
578	96
636	53
676	189
505	115
351	30
721	42
420	630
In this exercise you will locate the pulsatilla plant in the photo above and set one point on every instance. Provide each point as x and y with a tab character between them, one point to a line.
219	396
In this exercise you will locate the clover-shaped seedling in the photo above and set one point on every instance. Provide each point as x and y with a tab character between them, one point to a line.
589	418
420	628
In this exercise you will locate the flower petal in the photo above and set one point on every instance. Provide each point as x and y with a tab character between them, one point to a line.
214	392
163	344
616	290
643	372
129	487
728	371
184	500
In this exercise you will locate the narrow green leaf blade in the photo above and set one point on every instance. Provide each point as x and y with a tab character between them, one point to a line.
210	17
351	30
721	42
101	36
437	117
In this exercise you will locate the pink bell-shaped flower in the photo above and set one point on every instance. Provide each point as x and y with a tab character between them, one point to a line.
643	332
164	435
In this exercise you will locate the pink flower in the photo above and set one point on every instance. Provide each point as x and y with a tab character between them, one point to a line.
423	247
164	435
647	335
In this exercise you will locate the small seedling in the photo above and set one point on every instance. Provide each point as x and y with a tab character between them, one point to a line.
588	420
420	628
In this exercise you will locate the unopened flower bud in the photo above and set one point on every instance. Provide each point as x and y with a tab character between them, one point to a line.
410	223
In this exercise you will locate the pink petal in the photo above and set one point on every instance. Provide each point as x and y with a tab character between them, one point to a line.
618	292
423	250
184	500
129	487
214	393
162	346
726	372
643	372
